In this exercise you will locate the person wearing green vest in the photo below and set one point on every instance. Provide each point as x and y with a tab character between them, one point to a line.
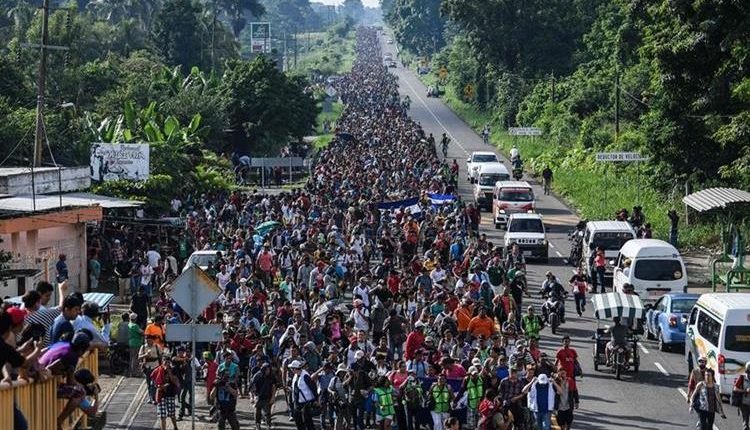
441	397
474	388
531	324
384	401
413	398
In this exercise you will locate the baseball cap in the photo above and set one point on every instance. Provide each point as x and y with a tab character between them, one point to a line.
296	364
16	314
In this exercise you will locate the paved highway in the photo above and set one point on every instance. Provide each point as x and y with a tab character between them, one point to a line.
654	398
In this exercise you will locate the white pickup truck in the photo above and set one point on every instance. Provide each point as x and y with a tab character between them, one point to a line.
478	158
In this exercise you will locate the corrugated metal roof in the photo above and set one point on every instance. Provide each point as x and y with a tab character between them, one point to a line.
715	198
102	299
46	202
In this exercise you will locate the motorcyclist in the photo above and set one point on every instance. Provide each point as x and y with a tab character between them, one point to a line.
553	289
619	334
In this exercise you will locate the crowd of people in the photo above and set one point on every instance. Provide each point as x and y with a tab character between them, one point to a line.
362	312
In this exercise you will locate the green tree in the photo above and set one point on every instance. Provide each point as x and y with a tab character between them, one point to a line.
236	11
177	33
417	24
266	104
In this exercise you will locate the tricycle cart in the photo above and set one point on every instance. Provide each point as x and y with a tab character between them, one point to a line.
629	309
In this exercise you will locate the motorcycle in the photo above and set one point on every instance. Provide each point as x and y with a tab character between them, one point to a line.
517	173
119	358
553	310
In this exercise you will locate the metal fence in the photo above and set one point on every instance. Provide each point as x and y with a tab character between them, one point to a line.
38	400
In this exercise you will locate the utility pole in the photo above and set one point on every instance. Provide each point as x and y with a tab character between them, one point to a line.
213	38
553	87
40	87
295	46
617	106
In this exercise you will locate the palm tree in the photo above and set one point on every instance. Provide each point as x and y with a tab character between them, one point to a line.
21	14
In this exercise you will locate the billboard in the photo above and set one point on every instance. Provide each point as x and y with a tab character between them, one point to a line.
113	161
260	37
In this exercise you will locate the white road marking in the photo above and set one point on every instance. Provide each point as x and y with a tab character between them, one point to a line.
435	116
661	369
551	245
558	253
643	348
684	394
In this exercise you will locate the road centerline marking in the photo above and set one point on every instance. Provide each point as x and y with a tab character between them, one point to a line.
661	368
411	87
682	391
558	253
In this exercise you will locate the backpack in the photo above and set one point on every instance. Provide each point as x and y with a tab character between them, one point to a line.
735	399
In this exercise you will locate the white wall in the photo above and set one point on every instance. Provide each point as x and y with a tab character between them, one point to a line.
69	239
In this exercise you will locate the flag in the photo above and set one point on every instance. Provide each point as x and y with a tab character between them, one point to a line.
411	204
440	199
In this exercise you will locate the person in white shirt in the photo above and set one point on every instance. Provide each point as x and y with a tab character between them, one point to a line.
363	292
223	277
438	274
360	316
154	258
304	396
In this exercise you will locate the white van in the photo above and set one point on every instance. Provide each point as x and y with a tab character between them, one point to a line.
489	174
718	329
610	235
655	268
511	197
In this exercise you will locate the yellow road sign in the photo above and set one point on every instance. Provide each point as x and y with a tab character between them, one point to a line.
469	91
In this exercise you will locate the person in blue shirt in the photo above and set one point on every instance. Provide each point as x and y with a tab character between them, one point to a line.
62	328
501	370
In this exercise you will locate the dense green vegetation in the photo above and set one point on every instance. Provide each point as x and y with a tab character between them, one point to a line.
679	68
166	72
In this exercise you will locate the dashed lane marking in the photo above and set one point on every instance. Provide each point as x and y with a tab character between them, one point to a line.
551	245
661	369
643	348
558	253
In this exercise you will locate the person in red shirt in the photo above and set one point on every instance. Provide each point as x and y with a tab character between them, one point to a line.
414	341
566	359
393	282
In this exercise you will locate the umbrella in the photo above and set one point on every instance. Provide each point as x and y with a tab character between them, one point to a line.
610	305
345	137
266	227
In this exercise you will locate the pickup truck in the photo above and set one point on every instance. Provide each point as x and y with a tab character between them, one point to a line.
478	158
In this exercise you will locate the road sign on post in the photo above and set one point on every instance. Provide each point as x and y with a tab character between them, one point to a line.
619	157
193	291
525	131
615	157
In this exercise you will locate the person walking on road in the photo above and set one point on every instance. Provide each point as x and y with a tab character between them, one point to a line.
225	393
440	398
742	389
547	179
706	400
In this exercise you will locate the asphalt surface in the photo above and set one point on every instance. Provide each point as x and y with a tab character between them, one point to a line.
653	398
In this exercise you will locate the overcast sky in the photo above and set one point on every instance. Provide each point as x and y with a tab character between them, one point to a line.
370	3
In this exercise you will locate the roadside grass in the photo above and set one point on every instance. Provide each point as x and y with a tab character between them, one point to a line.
328	54
594	191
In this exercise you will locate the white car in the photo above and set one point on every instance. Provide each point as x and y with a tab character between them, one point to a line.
528	232
478	158
201	259
489	175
